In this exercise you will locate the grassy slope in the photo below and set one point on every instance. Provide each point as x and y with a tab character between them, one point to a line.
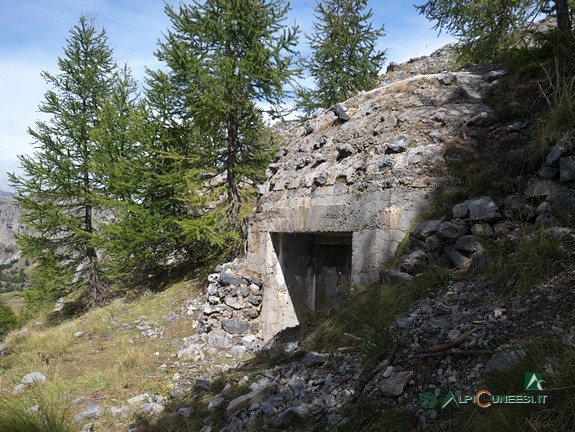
108	363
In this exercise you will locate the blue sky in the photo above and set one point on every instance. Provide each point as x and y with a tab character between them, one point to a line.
33	34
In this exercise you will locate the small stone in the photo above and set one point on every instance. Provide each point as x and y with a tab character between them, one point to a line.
397	144
315	359
33	377
460	210
268	409
186	412
78	334
215	403
447	79
557	151
139	399
243	402
286	418
483	210
92	411
340	113
567	169
394	386
498	313
120	412
387	373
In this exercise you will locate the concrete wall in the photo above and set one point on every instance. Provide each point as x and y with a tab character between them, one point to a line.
281	239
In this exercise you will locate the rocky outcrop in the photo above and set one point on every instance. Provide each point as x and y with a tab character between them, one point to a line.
9	226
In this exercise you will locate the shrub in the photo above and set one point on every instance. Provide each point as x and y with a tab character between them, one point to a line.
8	320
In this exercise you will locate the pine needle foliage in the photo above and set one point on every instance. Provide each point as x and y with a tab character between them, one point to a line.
222	58
344	58
61	189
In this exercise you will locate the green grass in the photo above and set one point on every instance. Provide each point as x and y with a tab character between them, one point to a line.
515	267
557	414
14	300
106	364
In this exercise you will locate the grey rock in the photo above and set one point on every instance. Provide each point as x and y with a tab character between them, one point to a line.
33	377
286	418
397	144
405	323
567	169
19	389
394	386
245	401
268	409
483	119
482	230
227	278
494	75
3	350
547	172
140	399
434	243
460	210
219	339
206	429
425	229
340	113
256	300
234	302
539	189
250	313
413	263
186	412
562	203
386	162
469	244
456	257
395	277
320	180
556	153
483	209
120	412
517	209
308	128
235	326
215	403
315	359
451	231
447	79
92	411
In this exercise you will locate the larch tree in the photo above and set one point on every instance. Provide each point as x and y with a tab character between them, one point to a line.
344	57
224	58
59	190
485	27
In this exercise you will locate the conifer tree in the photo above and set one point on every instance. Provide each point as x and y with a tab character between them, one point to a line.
344	57
484	28
60	190
222	58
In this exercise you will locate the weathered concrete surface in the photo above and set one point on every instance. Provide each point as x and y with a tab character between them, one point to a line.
353	177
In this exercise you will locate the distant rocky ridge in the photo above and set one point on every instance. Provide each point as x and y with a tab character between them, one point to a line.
5	197
9	225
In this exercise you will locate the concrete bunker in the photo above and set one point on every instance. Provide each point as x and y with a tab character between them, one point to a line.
316	268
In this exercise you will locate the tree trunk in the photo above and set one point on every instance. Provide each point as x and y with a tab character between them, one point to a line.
563	17
233	193
97	289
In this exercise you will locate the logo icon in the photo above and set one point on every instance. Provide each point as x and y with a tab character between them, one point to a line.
428	400
450	397
534	381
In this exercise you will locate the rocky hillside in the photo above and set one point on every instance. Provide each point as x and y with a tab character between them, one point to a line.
9	225
480	293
